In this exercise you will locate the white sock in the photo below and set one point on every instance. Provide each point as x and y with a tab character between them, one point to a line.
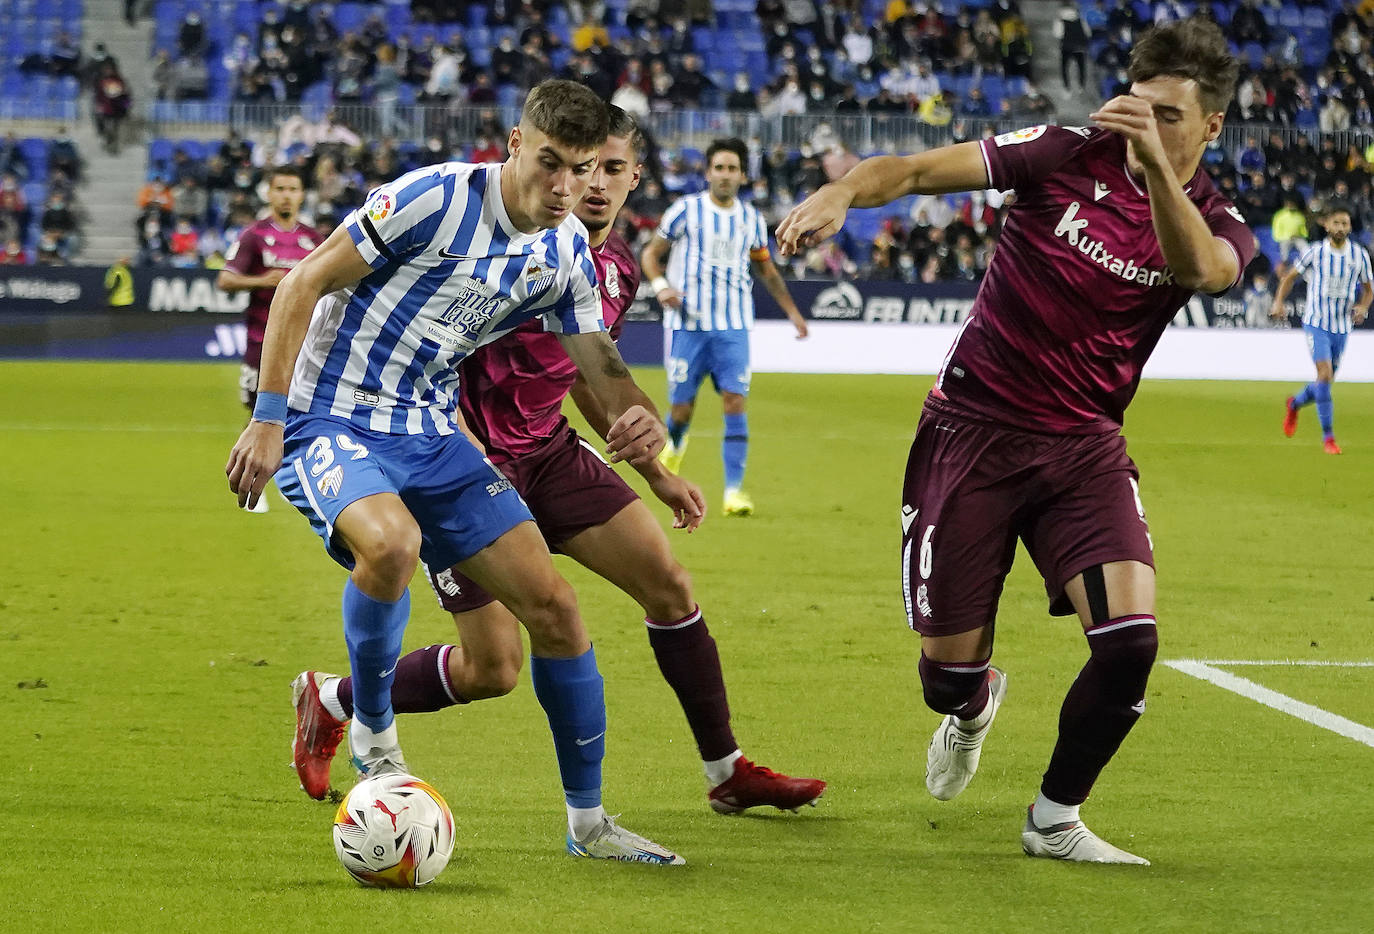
582	821
363	740
720	770
1047	813
329	696
978	722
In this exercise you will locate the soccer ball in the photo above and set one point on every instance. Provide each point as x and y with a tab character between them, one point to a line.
393	831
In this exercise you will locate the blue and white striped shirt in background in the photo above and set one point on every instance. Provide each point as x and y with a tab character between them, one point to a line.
1333	283
709	263
450	272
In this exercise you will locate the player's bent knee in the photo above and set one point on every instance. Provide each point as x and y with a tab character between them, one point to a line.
670	594
551	614
497	678
948	688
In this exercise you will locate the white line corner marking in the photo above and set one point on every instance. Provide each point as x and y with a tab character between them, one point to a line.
1281	702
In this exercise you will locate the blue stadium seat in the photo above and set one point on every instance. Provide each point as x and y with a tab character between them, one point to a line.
1267	246
160	153
477	15
1290	16
1316	18
349	17
509	95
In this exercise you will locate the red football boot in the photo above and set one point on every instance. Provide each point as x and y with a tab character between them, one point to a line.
754	786
318	734
1331	447
1290	418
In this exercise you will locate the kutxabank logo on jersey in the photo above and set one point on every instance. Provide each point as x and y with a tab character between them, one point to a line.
1074	229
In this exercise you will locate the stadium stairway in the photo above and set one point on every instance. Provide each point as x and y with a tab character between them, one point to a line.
113	181
1072	106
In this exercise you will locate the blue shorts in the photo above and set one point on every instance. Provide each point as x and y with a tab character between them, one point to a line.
1324	345
694	354
460	501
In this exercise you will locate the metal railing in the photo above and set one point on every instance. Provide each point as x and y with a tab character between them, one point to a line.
864	133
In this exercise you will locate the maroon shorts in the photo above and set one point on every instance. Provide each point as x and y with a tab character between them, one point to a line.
568	487
973	488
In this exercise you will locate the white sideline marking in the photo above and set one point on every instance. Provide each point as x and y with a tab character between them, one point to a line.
1297	662
1281	702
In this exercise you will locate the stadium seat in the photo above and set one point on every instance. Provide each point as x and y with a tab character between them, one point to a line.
1290	16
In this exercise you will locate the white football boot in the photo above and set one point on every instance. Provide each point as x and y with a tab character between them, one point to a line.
611	841
953	756
1074	842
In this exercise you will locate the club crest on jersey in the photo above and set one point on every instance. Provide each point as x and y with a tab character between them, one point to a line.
538	278
1016	137
612	281
380	206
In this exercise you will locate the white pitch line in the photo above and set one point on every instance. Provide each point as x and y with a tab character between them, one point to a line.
1281	702
1278	662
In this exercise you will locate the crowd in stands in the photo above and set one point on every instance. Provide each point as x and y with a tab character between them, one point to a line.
966	69
40	217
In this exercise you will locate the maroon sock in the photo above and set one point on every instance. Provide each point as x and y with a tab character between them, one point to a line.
958	688
421	683
687	656
1105	701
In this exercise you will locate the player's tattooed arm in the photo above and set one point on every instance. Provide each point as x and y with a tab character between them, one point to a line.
636	433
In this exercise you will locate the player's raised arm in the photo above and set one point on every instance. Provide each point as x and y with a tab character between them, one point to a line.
879	180
1199	259
636	433
336	264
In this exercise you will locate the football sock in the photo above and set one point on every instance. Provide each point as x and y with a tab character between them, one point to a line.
687	657
582	821
720	770
573	697
734	450
1307	396
1325	408
329	697
1103	704
362	740
421	684
1046	813
676	430
957	688
373	631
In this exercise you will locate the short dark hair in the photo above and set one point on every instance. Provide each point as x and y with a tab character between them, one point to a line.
568	113
1336	207
1189	48
293	170
732	144
624	126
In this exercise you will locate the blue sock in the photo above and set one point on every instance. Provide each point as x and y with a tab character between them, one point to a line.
1306	397
572	694
373	630
1324	407
676	430
735	449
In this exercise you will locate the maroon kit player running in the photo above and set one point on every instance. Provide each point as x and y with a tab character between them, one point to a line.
265	252
511	396
1113	229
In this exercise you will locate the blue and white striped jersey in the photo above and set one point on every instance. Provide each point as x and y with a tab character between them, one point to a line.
1333	283
450	272
709	263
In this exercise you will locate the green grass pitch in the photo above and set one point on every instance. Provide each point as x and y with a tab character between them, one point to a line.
149	633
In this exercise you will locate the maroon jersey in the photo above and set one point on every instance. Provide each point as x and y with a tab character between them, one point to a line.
511	391
261	247
1078	293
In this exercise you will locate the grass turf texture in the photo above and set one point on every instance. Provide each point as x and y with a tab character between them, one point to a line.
149	633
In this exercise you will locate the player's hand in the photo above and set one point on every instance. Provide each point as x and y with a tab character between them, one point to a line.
636	437
1361	314
669	298
274	277
683	497
1277	312
255	457
802	330
818	217
1134	119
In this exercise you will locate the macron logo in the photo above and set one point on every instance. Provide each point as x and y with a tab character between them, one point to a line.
1100	191
1075	229
908	517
